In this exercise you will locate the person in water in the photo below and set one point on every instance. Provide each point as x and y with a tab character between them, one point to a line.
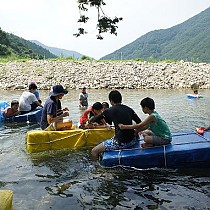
12	110
53	114
118	113
154	129
195	92
83	99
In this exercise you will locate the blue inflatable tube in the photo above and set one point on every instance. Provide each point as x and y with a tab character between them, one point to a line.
3	105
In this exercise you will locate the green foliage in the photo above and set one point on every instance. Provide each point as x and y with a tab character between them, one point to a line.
84	57
189	41
105	24
14	46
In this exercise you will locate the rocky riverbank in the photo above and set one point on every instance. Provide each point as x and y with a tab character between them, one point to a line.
107	74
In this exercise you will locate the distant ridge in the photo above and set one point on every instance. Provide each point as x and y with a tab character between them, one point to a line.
12	46
59	52
189	41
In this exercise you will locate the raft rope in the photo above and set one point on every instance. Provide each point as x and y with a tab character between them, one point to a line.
119	156
164	153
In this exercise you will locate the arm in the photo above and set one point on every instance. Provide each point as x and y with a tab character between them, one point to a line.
60	111
97	118
140	126
9	113
51	119
38	103
84	117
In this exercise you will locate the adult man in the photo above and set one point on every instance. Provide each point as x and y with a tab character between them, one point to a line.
118	113
83	99
28	101
52	114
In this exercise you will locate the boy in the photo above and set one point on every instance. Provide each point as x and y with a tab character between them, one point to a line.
118	113
28	101
53	114
157	132
12	110
93	111
83	99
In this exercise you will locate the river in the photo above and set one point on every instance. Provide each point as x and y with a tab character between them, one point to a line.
69	179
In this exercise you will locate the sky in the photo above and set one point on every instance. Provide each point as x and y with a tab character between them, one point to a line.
53	22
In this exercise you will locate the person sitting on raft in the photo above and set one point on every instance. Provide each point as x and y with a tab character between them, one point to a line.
92	111
118	113
154	129
12	110
28	101
53	114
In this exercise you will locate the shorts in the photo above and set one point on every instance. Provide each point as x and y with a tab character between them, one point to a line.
112	144
157	140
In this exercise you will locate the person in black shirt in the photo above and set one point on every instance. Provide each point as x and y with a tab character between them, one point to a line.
119	114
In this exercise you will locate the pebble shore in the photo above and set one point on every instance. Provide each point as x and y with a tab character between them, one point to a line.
104	74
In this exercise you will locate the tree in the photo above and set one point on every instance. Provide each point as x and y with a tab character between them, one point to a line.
105	24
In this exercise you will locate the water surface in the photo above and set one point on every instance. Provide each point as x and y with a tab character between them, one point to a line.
69	179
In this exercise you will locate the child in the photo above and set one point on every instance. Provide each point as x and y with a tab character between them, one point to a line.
83	99
93	111
157	132
51	119
118	112
195	92
12	110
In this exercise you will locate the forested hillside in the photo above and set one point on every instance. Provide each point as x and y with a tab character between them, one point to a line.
14	46
189	41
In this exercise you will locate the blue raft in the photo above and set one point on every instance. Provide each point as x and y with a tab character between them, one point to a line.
191	96
188	150
31	117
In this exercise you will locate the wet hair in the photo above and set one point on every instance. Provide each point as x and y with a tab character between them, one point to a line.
105	105
13	102
115	96
195	91
97	106
32	86
148	102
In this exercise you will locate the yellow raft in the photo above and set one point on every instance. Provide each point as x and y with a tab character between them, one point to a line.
6	197
39	140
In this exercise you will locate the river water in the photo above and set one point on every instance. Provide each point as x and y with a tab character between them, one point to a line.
69	179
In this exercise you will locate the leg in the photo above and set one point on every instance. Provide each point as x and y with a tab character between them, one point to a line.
97	150
148	141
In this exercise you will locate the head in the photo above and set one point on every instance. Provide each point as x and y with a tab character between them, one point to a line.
14	104
97	108
115	97
32	87
84	90
105	105
147	103
58	91
195	91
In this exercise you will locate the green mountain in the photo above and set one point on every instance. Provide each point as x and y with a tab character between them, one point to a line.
59	52
189	40
14	46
